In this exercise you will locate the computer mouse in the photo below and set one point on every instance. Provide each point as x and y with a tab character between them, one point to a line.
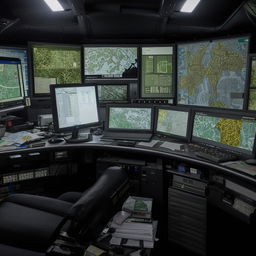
251	161
55	140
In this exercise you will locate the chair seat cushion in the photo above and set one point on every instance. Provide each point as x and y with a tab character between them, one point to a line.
26	227
7	250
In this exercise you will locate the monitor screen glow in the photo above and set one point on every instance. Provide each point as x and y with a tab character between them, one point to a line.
130	118
76	106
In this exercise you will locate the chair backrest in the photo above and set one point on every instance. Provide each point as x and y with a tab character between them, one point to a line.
98	203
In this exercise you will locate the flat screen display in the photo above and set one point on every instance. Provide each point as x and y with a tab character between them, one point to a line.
172	122
11	80
234	133
55	64
156	72
212	73
110	62
112	93
130	118
76	106
19	53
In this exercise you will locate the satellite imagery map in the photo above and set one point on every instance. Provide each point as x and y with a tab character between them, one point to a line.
212	73
112	93
130	118
108	61
252	99
9	82
57	64
172	122
156	77
231	132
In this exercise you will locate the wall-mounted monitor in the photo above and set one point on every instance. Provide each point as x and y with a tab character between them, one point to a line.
12	87
110	62
129	122
157	72
252	82
227	131
113	92
74	107
19	53
54	64
212	73
172	122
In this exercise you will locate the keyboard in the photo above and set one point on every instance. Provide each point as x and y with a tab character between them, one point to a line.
212	154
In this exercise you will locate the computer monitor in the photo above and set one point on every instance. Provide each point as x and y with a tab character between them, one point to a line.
157	71
172	122
110	62
129	122
227	131
54	64
19	53
112	92
252	82
74	107
12	87
212	73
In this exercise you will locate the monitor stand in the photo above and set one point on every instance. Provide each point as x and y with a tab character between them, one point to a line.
79	137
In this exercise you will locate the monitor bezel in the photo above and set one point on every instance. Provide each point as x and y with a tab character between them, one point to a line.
26	74
173	75
7	106
53	88
129	130
248	82
32	90
113	83
225	114
169	135
211	39
99	77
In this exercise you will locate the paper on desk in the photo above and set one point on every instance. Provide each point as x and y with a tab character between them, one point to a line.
241	166
19	138
171	145
150	144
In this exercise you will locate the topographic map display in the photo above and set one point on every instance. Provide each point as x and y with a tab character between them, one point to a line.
212	73
55	64
112	92
172	122
130	118
9	82
252	99
231	132
252	92
109	61
19	54
156	72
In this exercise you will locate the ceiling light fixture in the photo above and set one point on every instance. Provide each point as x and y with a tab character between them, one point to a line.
54	5
189	5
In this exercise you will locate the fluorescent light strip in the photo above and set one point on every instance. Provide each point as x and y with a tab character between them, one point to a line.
189	5
54	5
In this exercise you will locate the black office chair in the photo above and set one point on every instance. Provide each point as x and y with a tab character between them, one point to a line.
33	222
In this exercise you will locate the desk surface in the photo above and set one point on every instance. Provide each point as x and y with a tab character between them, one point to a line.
98	144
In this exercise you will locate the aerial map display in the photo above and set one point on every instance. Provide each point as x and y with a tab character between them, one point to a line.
156	75
110	62
10	86
21	54
112	92
212	73
130	118
252	92
55	64
231	132
172	122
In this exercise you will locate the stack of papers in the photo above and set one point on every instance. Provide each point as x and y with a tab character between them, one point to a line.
134	234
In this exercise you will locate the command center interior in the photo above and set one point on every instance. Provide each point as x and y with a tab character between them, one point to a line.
102	100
